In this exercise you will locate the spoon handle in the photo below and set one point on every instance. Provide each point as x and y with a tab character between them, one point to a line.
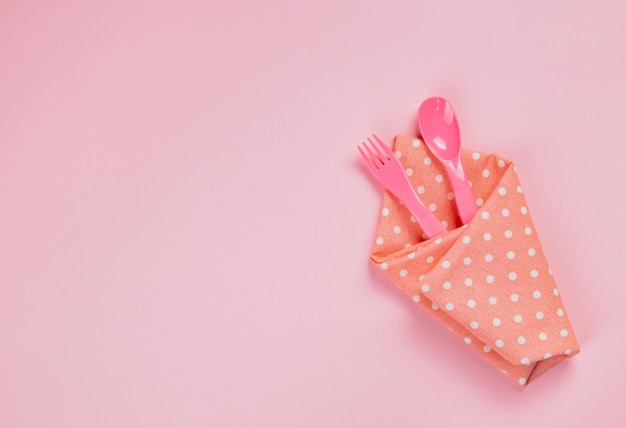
465	202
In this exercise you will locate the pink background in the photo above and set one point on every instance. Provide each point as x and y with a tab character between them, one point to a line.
185	223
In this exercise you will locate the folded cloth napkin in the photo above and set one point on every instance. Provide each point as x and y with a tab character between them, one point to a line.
488	280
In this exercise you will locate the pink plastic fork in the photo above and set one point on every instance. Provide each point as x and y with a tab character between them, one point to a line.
384	165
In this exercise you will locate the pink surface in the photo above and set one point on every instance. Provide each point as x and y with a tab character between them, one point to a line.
185	223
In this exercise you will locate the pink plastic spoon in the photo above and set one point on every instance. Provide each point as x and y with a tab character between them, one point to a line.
440	131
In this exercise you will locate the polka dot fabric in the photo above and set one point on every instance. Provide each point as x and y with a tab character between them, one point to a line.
489	280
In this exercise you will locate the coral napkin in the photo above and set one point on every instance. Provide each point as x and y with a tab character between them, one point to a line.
489	280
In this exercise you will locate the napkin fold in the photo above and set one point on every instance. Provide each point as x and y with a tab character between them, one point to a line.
488	281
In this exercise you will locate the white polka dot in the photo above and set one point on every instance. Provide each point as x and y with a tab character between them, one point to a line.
524	210
490	279
567	351
521	340
508	233
384	266
427	161
471	303
421	278
408	245
488	257
386	212
398	154
432	207
468	281
536	294
543	336
430	259
531	252
505	212
519	189
411	255
396	229
500	163
447	285
416	298
512	276
560	312
487	236
493	300
528	230
425	288
409	172
502	191
499	343
514	297
438	241
539	315
403	273
413	219
486	173
434	306
486	349
380	240
547	355
467	261
466	240
445	264
484	215
555	292
517	318
564	333
444	223
496	322
449	307
522	381
416	143
534	273
438	178
450	196
467	340
510	255
479	202
421	189
475	155
474	325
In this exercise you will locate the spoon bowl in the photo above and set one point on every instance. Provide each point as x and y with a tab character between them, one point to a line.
440	131
438	124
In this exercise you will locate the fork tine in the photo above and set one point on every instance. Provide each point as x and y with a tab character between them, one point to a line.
384	146
367	160
381	154
374	158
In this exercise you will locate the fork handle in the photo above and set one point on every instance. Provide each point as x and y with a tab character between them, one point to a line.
427	220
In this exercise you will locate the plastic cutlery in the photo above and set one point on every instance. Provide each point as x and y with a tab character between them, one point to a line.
440	131
386	168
